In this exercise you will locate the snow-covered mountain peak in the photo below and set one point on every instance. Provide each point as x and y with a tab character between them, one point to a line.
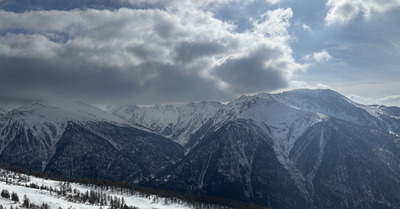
327	102
41	126
304	99
313	92
122	111
48	120
177	121
282	122
246	102
270	110
316	99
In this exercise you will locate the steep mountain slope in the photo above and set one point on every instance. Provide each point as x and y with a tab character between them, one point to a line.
349	166
75	139
389	115
298	149
236	162
177	121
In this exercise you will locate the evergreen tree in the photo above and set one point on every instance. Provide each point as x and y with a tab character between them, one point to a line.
25	202
5	193
122	203
14	197
45	206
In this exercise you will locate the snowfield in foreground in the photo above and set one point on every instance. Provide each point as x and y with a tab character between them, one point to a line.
52	199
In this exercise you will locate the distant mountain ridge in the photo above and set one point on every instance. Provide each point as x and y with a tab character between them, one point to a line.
76	139
177	121
277	150
296	149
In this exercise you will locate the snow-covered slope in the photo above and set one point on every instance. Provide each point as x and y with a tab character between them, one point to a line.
282	122
288	113
287	116
46	121
23	186
122	111
329	103
297	149
177	121
36	115
75	139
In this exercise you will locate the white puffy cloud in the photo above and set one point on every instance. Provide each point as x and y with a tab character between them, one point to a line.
344	11
178	53
318	57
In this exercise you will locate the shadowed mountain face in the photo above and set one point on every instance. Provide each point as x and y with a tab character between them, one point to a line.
236	162
111	152
82	141
298	149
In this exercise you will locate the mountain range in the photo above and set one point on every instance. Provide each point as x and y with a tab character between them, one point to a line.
297	149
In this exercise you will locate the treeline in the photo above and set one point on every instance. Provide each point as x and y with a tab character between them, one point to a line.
195	200
65	190
92	197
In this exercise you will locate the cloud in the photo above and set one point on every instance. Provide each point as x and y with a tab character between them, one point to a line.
393	100
390	100
251	73
344	11
296	84
306	28
265	62
318	57
178	53
273	1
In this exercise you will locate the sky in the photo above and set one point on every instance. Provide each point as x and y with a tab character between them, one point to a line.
158	51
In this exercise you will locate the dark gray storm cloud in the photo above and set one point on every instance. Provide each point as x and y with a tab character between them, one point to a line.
155	51
189	51
175	54
30	79
252	74
39	79
185	85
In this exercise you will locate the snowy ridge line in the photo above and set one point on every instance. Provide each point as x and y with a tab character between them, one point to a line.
36	192
175	121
